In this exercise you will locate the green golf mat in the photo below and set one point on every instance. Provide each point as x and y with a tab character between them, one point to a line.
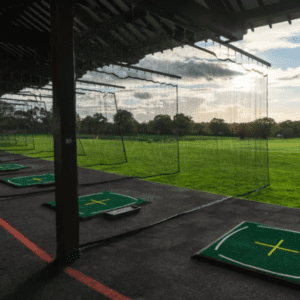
11	167
30	180
260	248
92	205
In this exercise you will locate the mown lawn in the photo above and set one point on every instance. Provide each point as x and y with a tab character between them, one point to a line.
228	167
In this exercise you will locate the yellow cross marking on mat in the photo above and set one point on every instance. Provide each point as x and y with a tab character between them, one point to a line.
95	201
38	179
276	247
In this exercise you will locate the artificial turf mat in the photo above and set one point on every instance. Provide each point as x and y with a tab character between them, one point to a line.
92	205
11	167
31	180
259	248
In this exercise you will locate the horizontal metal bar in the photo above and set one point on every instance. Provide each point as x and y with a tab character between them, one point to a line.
231	47
38	88
2	102
205	50
98	83
89	90
208	35
20	94
44	96
32	95
244	53
28	100
143	69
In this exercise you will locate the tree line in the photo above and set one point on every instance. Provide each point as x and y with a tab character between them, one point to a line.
181	124
38	120
14	119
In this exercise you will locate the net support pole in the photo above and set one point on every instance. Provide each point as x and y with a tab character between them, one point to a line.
65	151
177	112
124	150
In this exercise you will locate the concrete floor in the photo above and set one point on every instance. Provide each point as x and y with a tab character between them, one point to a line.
154	263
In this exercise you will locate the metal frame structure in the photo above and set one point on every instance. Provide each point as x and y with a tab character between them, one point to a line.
107	32
124	31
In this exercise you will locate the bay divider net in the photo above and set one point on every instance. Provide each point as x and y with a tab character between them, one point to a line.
102	143
210	124
15	123
201	110
226	95
120	117
37	122
220	113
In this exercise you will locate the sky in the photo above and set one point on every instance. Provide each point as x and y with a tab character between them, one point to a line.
200	98
208	88
279	46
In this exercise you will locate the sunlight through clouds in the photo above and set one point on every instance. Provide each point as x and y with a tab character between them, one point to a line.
275	45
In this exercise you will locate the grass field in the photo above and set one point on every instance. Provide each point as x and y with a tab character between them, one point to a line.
206	165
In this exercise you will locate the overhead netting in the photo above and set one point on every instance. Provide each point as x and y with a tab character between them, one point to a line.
44	131
15	123
131	127
225	94
219	110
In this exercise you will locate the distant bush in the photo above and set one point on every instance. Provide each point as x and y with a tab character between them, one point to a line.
288	132
149	140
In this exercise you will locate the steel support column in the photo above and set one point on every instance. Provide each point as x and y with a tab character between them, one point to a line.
64	116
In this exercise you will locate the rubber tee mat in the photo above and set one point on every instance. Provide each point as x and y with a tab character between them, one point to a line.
260	248
95	204
11	167
43	179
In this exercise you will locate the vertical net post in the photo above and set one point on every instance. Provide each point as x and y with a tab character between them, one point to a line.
124	150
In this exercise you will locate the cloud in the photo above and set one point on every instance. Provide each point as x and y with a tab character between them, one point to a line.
265	38
290	78
143	95
189	67
205	91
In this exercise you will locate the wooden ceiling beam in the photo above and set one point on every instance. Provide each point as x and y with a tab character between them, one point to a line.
111	24
110	6
261	3
12	3
193	13
269	11
289	18
240	5
24	37
165	28
229	6
125	17
13	12
216	6
24	66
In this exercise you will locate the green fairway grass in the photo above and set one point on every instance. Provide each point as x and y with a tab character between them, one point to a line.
203	166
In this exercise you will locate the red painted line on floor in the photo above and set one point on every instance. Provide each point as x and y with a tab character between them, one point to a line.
24	240
97	286
90	282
